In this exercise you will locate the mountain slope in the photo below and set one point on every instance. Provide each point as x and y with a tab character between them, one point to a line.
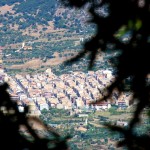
30	13
45	25
36	17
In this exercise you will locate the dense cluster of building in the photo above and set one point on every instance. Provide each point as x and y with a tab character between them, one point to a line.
72	91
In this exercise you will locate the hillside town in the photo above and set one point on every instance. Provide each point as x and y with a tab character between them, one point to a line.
74	91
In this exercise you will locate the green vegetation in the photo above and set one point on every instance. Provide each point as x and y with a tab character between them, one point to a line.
30	13
95	132
23	26
12	37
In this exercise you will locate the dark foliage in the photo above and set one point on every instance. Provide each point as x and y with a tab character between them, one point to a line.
134	62
12	120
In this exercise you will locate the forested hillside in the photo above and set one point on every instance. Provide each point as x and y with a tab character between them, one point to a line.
45	26
20	15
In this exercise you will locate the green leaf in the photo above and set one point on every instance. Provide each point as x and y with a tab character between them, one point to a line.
121	31
138	24
130	24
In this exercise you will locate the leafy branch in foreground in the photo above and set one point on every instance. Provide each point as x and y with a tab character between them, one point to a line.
11	120
122	18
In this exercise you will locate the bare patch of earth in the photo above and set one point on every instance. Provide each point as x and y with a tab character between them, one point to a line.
36	63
